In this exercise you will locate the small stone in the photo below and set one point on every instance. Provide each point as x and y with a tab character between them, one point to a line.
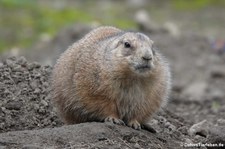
2	147
200	128
178	87
10	63
22	61
31	147
218	72
14	105
133	140
1	65
3	109
170	126
221	122
33	65
172	29
198	138
216	94
34	84
36	106
43	102
161	119
188	141
144	21
17	68
137	146
37	90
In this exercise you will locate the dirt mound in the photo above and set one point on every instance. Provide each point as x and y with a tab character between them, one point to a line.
24	93
25	104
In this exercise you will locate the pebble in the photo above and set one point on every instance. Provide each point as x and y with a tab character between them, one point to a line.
18	68
178	87
144	21
22	61
3	147
218	73
216	93
137	146
172	28
31	147
10	63
161	119
1	65
33	65
44	103
200	128
221	122
188	141
170	126
14	105
34	84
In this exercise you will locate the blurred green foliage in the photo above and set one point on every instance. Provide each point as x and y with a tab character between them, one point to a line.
22	22
196	4
215	105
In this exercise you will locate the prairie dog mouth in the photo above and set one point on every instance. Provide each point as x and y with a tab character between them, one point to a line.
143	68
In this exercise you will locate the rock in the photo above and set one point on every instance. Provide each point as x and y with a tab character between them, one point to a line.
2	147
31	147
33	65
178	87
136	3
170	126
221	122
22	61
137	146
172	29
14	105
144	22
218	72
216	93
200	128
1	65
10	63
195	91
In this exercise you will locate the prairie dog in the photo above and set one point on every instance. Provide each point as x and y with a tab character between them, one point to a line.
110	75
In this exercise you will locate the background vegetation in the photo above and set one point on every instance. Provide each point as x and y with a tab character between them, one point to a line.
23	22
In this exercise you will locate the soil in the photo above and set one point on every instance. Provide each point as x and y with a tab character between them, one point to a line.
195	114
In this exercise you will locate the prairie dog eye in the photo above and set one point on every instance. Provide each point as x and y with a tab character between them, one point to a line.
127	44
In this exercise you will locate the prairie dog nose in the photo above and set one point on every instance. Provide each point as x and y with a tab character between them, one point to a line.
147	57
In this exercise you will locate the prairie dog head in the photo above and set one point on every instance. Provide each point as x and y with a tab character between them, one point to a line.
134	51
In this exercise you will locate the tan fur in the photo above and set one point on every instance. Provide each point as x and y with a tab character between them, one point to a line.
96	79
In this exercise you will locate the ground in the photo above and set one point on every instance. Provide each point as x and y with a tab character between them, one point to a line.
194	114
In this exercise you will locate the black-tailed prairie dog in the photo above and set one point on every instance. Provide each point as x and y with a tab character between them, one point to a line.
110	75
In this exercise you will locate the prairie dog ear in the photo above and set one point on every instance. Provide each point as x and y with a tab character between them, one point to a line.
117	48
115	43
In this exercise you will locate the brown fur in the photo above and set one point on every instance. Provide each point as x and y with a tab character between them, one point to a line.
98	79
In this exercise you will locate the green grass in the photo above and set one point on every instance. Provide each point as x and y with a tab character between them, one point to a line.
196	4
22	22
